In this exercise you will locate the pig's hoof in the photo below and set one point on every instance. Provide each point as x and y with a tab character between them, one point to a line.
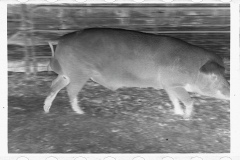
188	114
187	117
178	112
47	106
78	111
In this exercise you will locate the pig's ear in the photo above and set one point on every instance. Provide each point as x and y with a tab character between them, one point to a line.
212	68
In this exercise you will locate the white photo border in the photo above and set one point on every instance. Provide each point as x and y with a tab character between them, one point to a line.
234	103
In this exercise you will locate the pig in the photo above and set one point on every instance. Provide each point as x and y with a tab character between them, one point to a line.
118	58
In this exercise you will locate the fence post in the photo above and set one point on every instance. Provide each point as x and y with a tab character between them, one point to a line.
29	54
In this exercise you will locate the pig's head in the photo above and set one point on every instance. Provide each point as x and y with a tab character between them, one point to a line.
211	81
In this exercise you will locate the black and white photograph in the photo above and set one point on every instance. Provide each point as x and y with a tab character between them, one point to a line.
118	78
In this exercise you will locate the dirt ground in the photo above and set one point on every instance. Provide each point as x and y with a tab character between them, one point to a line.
129	120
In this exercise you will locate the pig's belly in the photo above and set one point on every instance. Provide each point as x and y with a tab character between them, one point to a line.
117	80
124	74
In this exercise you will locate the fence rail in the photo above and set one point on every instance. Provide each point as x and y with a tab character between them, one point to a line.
30	26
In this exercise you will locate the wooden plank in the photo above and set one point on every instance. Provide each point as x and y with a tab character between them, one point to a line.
57	18
41	37
205	25
75	18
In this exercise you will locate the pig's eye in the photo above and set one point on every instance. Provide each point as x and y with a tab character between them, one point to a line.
214	77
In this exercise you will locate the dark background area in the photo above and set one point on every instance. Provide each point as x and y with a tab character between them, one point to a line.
129	120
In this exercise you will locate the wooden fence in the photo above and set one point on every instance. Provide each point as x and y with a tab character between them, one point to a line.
31	26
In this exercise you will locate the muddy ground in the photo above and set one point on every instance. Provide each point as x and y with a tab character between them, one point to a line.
129	120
